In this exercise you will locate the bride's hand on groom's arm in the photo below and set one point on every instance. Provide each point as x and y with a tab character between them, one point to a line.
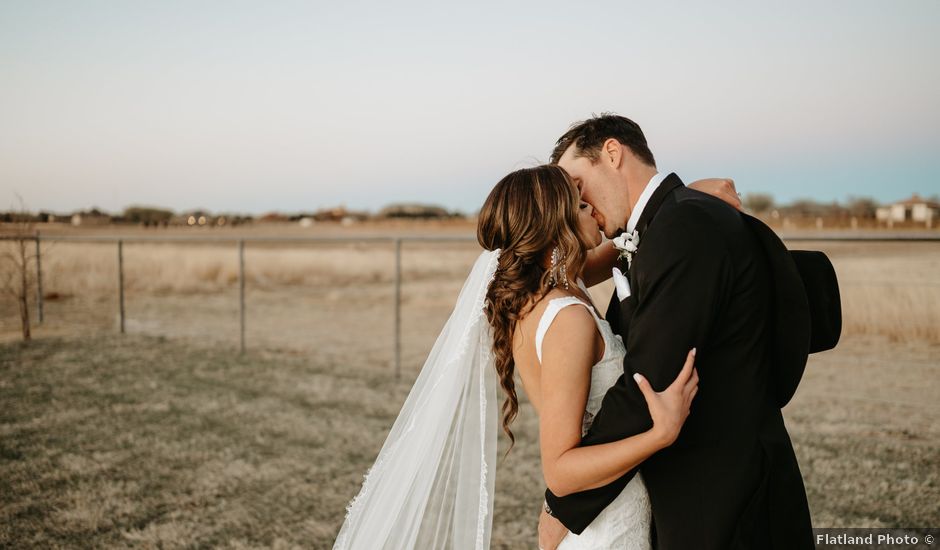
723	188
670	407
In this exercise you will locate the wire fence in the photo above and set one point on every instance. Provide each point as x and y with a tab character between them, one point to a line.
395	241
241	242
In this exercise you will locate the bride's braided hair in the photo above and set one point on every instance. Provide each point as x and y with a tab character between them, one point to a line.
527	214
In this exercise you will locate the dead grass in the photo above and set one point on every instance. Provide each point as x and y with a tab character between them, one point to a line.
889	289
116	442
167	438
83	269
142	441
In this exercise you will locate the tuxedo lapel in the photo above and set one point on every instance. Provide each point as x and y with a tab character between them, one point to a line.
619	313
668	185
656	200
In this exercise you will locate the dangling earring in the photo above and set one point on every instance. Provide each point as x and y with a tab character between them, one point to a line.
551	272
556	257
564	274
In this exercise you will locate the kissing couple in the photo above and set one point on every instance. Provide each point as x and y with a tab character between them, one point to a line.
660	423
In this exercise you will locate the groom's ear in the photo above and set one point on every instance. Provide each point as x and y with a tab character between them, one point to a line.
612	153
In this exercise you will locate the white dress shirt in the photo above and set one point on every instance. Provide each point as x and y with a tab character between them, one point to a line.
645	196
621	283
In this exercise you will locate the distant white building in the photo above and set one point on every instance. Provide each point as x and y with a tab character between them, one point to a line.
914	209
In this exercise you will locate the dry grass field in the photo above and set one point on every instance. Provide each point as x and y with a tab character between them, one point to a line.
166	437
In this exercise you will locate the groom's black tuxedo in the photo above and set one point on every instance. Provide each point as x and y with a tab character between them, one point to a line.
702	277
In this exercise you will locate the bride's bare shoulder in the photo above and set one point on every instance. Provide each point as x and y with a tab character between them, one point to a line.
533	309
531	314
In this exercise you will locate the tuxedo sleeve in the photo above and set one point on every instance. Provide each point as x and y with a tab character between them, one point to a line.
683	274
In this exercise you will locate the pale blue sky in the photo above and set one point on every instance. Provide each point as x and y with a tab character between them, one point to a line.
257	106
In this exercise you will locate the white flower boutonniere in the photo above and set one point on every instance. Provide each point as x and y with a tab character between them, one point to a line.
627	243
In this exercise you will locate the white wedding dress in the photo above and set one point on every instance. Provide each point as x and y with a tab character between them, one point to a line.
432	484
625	522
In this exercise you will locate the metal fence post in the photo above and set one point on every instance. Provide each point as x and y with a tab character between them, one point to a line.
121	281
38	278
241	293
398	307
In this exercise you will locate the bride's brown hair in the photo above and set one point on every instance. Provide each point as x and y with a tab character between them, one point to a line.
526	215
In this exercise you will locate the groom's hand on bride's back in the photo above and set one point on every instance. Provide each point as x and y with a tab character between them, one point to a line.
723	188
670	407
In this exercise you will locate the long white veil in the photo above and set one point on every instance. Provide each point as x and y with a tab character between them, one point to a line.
431	486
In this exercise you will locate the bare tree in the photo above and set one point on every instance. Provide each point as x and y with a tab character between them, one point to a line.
16	277
862	207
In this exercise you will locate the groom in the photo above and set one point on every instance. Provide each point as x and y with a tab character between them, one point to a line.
700	277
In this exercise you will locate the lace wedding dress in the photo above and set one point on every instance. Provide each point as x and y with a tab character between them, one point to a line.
625	522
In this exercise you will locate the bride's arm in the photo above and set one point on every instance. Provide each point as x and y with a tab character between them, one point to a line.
603	257
568	353
598	264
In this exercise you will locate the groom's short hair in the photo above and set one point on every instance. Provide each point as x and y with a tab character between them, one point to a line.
589	135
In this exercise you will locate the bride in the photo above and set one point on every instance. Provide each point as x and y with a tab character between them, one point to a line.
432	484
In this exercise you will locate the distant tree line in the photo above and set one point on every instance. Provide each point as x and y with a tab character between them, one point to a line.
762	204
148	216
859	207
